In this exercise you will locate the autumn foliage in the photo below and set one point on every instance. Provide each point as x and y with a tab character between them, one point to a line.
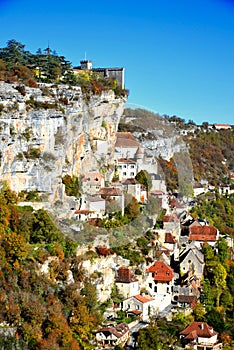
44	310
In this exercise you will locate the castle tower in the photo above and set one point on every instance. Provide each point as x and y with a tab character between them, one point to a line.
86	64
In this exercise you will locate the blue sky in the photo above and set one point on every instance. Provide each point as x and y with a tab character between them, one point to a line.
178	54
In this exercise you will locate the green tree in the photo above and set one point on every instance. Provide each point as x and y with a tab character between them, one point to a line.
223	249
71	185
145	179
44	230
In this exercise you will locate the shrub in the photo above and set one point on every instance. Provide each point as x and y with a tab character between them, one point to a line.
71	185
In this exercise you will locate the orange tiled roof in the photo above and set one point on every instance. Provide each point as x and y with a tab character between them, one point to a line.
84	211
143	299
162	272
203	233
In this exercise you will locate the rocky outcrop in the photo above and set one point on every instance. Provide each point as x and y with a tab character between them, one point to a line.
53	130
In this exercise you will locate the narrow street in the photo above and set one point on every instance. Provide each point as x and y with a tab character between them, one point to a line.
133	334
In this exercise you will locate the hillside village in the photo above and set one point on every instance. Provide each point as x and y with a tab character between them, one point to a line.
96	251
170	281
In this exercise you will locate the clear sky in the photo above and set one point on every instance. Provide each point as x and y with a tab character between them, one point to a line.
178	54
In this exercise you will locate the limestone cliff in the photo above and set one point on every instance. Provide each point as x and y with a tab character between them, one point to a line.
53	130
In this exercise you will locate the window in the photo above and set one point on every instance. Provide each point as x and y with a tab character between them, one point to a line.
155	289
150	285
132	174
132	166
124	173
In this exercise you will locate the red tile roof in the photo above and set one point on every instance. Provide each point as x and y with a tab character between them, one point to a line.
203	233
169	238
135	312
83	211
125	275
162	272
198	329
110	191
143	299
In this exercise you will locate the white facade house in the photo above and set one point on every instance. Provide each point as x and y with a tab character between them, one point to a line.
126	168
159	283
96	204
141	305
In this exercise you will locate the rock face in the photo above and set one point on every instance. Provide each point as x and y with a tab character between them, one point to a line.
51	131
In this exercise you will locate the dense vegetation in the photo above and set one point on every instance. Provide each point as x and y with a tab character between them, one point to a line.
43	309
212	153
218	210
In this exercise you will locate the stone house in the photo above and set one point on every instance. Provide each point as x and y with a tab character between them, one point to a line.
159	283
92	182
200	336
113	195
141	305
109	337
133	187
126	282
191	261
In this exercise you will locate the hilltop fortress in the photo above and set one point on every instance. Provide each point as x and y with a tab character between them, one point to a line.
114	73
